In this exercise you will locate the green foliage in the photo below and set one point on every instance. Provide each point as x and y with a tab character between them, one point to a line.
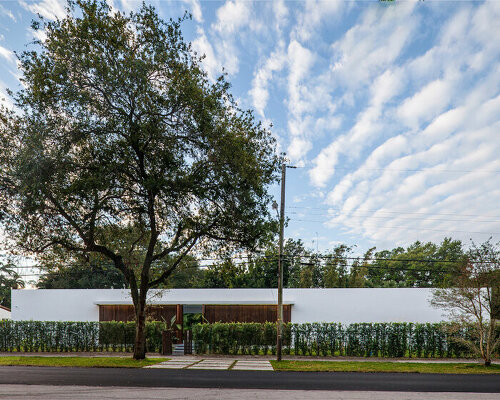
35	336
9	279
419	265
235	338
82	276
393	340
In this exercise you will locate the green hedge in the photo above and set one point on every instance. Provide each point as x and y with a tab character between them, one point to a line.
326	339
34	336
313	339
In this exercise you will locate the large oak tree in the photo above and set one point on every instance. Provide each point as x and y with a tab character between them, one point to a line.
118	127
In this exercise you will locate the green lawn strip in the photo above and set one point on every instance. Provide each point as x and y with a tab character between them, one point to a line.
367	366
109	362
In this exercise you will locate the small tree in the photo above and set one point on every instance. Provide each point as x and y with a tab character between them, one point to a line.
117	128
473	298
9	279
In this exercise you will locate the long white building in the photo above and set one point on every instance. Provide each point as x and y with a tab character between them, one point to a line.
230	305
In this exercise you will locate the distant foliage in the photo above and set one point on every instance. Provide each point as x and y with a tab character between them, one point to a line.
419	265
333	339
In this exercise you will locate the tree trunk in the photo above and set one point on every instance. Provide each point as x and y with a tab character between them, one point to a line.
487	362
140	330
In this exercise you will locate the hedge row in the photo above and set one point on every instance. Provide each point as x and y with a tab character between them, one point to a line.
34	336
321	339
324	339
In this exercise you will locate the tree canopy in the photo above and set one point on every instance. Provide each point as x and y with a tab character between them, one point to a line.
117	128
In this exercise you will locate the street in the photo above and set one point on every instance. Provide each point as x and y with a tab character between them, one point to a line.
157	378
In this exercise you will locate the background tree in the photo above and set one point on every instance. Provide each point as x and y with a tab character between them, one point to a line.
82	276
419	265
472	298
225	274
118	128
9	279
359	270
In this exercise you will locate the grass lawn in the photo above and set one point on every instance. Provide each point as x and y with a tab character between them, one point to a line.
353	366
111	362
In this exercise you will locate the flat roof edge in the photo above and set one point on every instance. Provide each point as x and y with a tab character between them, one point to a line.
190	302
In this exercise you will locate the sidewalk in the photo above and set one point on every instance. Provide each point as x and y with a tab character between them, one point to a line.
237	364
46	392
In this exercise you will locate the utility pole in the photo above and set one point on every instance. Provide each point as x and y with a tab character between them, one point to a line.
279	326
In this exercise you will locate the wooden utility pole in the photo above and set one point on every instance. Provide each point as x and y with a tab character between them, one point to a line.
279	326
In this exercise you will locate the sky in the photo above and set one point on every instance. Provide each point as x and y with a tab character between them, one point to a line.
391	110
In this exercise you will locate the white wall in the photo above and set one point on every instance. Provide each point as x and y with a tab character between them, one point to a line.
4	314
308	305
364	305
57	304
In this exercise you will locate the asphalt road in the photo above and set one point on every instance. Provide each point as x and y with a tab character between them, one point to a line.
123	377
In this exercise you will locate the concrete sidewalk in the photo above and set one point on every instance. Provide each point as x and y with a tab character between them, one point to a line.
42	392
214	363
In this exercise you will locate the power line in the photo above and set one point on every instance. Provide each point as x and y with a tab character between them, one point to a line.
391	217
458	171
269	259
368	267
404	227
398	212
427	260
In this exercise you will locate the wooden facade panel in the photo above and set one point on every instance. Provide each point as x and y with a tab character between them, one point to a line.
116	313
245	313
126	313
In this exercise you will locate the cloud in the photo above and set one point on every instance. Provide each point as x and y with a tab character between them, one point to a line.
372	45
300	61
50	9
363	63
313	15
362	133
281	13
232	16
8	13
424	148
426	103
202	46
259	92
385	197
233	20
7	54
195	9
130	5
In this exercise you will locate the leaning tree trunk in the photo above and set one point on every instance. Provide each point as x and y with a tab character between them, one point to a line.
140	329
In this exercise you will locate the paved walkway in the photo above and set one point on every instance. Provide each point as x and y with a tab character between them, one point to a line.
42	392
244	364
